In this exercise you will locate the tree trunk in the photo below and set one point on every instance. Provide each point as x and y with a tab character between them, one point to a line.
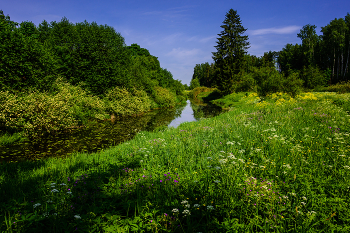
347	60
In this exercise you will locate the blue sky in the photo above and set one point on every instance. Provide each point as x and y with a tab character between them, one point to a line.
183	33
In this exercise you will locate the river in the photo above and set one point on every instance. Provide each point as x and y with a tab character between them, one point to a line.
104	134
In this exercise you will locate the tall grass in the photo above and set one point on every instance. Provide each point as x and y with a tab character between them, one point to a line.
277	165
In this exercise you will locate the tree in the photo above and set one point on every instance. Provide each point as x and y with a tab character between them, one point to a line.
309	40
231	48
25	62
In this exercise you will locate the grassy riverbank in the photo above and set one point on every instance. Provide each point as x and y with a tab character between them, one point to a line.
279	165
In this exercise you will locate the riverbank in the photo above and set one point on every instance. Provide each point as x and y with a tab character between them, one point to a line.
274	165
32	115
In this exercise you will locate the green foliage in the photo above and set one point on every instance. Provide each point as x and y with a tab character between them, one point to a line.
194	84
25	63
292	85
246	84
312	77
40	113
163	97
268	80
342	87
231	47
120	101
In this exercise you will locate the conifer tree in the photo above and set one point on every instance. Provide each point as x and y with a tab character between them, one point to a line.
231	47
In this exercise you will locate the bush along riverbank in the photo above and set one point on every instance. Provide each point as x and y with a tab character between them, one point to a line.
278	165
66	107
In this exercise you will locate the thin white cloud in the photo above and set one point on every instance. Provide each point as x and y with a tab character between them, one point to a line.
284	30
183	54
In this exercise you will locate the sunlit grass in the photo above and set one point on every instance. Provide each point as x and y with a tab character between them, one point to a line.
275	165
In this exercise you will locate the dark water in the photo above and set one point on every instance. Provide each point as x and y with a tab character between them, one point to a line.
104	134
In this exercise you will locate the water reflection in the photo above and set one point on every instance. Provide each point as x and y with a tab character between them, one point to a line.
99	135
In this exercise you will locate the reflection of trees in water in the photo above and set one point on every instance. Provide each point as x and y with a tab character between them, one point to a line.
96	135
204	111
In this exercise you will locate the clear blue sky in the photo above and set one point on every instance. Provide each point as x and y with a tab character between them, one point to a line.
183	33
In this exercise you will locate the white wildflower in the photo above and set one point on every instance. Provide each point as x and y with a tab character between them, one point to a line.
217	181
54	191
304	198
77	217
63	184
36	205
196	205
186	212
175	210
222	160
184	202
217	168
210	207
231	143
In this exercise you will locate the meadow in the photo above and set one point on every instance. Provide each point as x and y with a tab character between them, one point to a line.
275	165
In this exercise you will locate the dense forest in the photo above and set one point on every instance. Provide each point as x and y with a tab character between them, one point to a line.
317	62
93	56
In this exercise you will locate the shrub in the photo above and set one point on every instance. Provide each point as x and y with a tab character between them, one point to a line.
247	83
342	87
121	102
313	77
163	97
268	80
292	85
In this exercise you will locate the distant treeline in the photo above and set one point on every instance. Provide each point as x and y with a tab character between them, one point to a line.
319	61
92	56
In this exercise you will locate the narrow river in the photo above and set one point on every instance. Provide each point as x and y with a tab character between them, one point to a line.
101	135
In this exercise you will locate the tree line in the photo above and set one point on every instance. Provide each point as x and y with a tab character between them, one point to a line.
86	54
318	61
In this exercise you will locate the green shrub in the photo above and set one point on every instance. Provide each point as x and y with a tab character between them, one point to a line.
342	87
163	97
121	102
268	80
247	83
313	77
292	85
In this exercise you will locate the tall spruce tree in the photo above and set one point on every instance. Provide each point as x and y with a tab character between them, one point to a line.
231	48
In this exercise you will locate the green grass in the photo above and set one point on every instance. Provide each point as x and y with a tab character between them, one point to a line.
279	165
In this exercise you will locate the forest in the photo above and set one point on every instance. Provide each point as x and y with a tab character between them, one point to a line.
319	61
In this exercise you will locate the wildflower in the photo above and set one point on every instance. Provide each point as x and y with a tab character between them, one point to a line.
69	192
209	158
175	210
222	160
222	151
186	212
54	191
217	168
347	167
303	203
210	207
217	181
311	212
304	198
196	205
63	184
77	217
188	206
49	201
184	202
36	205
52	183
231	143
